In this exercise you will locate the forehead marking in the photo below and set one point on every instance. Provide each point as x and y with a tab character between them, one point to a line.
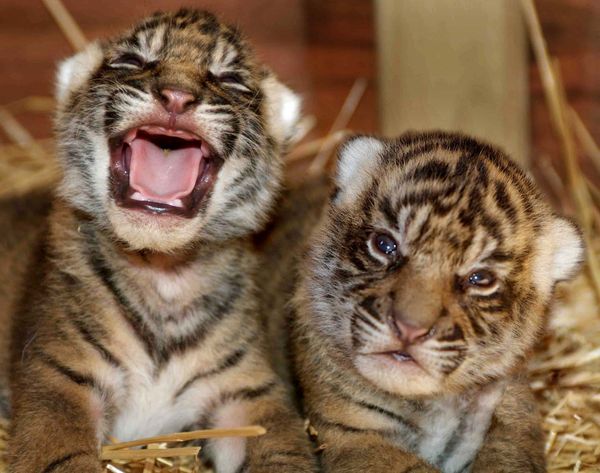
151	42
223	55
415	226
482	246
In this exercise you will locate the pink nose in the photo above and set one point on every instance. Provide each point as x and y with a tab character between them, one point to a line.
176	101
408	333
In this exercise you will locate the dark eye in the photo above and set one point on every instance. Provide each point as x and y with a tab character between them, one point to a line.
481	278
385	244
128	60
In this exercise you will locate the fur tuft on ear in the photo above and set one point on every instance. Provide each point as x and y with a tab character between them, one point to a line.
282	108
358	159
568	252
75	71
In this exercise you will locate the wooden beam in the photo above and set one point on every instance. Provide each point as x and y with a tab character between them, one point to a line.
455	65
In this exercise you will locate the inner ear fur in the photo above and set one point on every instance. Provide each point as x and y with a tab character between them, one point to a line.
358	161
568	254
73	72
282	109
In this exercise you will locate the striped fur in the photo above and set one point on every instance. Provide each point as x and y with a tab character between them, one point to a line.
134	324
454	399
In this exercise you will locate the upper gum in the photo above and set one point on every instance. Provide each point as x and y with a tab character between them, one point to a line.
164	131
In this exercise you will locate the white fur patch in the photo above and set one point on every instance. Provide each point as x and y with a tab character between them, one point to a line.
151	408
282	108
559	253
466	419
568	249
74	72
229	453
357	162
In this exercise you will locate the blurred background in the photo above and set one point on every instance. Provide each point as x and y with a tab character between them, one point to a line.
462	64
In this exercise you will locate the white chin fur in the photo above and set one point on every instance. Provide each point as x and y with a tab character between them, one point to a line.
144	231
397	380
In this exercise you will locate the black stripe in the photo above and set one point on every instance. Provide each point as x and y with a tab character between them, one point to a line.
368	304
454	347
387	210
77	378
434	169
365	319
91	339
504	203
494	309
455	362
500	256
105	273
229	362
416	151
423	230
215	306
317	419
492	226
58	462
389	414
475	324
373	407
453	443
356	333
451	336
247	394
482	170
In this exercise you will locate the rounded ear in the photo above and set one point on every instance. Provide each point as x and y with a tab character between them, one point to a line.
569	248
282	109
75	71
358	161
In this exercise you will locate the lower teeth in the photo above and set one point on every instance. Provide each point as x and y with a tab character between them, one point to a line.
402	356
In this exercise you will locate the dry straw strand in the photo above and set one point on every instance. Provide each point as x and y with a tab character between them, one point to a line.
319	163
66	23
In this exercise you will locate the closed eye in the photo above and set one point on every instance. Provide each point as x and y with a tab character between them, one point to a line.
233	80
128	61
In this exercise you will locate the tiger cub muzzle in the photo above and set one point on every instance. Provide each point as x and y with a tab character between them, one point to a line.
402	328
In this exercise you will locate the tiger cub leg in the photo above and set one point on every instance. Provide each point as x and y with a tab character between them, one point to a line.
57	416
346	451
285	447
515	441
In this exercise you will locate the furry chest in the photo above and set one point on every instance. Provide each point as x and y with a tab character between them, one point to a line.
153	403
453	430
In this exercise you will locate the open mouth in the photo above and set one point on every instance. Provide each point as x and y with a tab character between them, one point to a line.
162	171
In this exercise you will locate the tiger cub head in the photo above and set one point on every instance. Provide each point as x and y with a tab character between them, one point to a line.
171	133
435	263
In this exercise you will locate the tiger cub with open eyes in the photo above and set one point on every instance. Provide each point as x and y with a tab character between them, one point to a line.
423	290
138	314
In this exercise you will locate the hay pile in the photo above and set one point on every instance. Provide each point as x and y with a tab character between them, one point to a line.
565	376
565	369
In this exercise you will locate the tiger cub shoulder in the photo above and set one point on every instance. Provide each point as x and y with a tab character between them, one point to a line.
142	318
424	288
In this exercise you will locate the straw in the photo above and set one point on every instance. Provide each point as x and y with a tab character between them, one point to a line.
344	116
66	23
250	431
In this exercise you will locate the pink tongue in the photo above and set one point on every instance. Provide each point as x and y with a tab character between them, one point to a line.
163	176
